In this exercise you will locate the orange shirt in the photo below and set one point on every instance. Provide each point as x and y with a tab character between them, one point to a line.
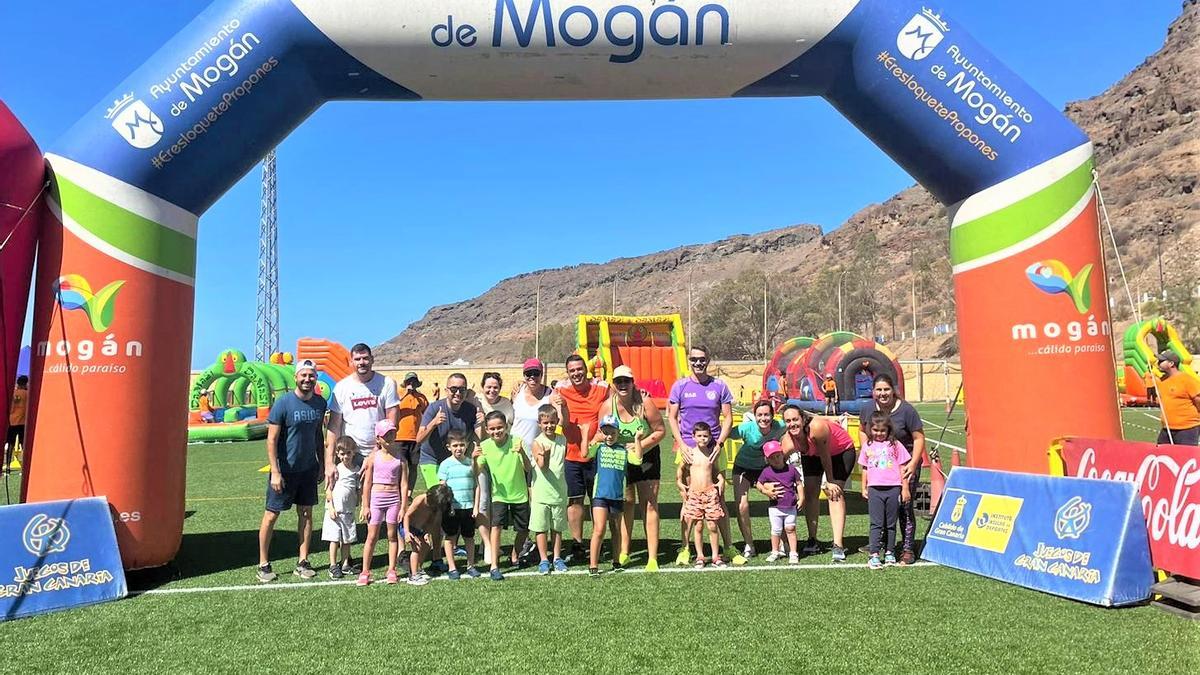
412	407
829	386
582	409
1177	394
16	411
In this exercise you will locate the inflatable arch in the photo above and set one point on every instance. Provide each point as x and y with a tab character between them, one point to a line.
131	178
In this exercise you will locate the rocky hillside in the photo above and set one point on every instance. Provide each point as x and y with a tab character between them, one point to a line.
1145	130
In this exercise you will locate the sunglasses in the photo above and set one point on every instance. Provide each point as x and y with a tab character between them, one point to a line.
533	373
456	390
702	359
622	380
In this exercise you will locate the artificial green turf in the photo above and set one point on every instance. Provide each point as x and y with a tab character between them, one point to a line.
922	619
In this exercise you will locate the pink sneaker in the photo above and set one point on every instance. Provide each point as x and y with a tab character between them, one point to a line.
363	579
391	577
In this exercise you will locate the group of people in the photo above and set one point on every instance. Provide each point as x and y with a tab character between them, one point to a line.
543	459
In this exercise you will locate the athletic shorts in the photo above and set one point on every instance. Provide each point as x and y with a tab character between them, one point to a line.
614	506
843	464
704	505
580	477
750	474
429	475
781	519
515	516
409	451
1151	392
299	489
458	522
650	469
385	507
548	518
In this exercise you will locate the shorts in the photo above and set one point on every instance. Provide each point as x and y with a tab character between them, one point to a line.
781	519
614	506
704	505
429	475
1180	436
385	507
340	529
410	451
515	516
843	464
299	489
580	477
458	522
548	518
650	468
750	474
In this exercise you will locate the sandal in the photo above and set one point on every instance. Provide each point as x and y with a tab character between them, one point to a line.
363	579
718	562
699	563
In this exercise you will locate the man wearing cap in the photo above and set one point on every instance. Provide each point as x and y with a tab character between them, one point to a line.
293	453
412	407
360	400
1179	396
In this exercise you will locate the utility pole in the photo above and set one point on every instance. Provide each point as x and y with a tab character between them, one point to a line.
537	322
614	298
839	299
1162	285
765	316
689	312
266	333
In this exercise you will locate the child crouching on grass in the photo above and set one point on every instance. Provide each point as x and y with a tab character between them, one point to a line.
608	497
701	485
459	473
422	517
341	502
548	516
883	486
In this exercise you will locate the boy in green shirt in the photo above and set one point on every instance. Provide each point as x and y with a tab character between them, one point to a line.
503	457
548	517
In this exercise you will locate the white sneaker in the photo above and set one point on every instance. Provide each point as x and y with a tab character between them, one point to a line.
773	556
748	552
419	580
793	559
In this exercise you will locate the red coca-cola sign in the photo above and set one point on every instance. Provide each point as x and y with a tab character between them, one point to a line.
1168	477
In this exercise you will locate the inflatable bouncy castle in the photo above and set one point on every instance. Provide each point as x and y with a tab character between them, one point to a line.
1141	358
799	366
653	346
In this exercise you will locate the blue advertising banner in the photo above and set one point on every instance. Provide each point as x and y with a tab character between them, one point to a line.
55	555
1076	537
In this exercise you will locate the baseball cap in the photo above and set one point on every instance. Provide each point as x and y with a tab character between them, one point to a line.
623	371
306	364
771	448
610	421
1169	355
828	376
410	376
383	428
533	364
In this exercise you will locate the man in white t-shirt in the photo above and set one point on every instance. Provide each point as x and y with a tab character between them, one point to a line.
359	401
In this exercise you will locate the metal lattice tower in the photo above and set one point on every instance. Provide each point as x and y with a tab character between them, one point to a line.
266	334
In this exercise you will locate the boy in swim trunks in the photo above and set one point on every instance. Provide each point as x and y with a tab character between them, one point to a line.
703	492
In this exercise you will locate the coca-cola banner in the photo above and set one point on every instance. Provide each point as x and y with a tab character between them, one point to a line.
1168	479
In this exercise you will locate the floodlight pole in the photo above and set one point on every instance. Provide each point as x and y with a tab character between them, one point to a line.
266	333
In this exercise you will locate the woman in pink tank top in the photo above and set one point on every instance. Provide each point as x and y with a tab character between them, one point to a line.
384	473
823	449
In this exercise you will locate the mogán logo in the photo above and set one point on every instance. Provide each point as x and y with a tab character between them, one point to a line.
74	292
135	122
921	34
1053	276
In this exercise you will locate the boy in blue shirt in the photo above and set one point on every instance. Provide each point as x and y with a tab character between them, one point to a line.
608	492
460	474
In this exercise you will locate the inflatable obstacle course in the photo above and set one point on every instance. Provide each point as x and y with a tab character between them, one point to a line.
239	394
799	365
1141	359
653	346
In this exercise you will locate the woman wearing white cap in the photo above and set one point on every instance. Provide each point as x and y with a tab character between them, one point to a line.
627	405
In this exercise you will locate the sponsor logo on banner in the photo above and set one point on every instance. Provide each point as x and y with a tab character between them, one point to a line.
1052	276
990	525
918	38
134	121
1072	518
44	535
1168	482
74	292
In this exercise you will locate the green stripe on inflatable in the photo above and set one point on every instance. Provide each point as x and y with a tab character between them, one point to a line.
1020	220
139	237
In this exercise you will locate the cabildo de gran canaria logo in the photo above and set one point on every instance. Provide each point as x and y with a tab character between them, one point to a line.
1052	276
44	535
74	292
1072	518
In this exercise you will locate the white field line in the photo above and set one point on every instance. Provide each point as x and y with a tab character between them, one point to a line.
1153	417
943	443
530	573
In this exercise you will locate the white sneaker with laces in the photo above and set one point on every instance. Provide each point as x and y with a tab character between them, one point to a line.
773	556
793	559
748	552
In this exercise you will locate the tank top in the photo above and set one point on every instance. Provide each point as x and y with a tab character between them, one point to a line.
839	441
386	472
627	430
525	416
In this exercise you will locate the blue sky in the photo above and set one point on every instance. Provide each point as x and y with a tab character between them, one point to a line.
387	209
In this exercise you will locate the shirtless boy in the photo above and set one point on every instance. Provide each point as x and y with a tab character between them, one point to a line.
702	491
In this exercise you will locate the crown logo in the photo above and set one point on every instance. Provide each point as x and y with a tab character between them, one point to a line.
935	18
118	105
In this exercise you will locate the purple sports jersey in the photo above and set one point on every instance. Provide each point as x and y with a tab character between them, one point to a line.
699	403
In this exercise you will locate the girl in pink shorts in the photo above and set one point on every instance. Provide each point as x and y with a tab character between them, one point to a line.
383	474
